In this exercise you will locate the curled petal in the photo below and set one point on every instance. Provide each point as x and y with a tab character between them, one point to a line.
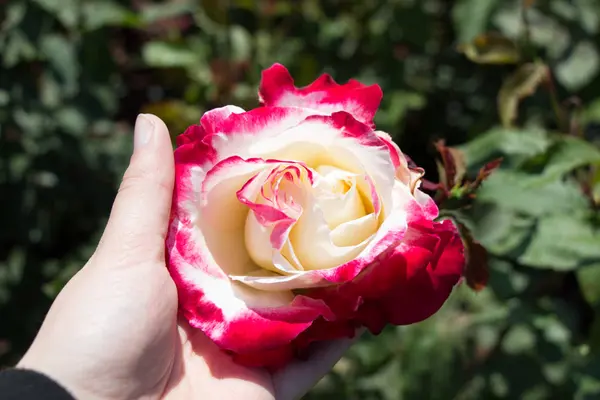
323	96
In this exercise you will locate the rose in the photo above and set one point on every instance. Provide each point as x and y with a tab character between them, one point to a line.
297	222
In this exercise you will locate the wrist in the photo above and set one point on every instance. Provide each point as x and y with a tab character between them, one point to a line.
23	384
58	375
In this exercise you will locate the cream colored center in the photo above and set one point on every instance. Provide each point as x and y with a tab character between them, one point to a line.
332	221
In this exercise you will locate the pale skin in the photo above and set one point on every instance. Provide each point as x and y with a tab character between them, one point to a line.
113	331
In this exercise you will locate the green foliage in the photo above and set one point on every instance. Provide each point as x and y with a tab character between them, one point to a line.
74	74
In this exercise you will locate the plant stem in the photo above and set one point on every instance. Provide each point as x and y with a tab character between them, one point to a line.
558	111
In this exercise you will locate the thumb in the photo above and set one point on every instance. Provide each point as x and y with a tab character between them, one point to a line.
139	218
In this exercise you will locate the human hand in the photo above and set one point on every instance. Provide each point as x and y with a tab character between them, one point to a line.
113	332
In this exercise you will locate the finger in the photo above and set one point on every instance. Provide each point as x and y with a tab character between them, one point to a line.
299	377
138	221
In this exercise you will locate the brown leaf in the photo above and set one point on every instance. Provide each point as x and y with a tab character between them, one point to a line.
477	271
522	83
485	172
528	3
491	48
452	169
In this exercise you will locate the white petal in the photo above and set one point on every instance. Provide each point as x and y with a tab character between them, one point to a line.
355	232
338	196
272	282
313	244
222	217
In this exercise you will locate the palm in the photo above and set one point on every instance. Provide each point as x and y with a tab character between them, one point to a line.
202	371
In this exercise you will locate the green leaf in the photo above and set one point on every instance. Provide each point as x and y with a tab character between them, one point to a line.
580	68
521	192
17	48
596	187
397	104
589	282
491	48
520	84
98	14
499	229
471	17
72	120
168	55
66	11
588	388
562	242
62	57
513	144
14	14
570	153
215	10
519	339
155	12
241	43
591	112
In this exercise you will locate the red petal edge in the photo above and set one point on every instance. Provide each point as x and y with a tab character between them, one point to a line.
324	95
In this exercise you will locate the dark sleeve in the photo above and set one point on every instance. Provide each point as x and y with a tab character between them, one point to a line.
21	384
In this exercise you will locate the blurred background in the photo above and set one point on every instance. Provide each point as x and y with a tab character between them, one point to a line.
517	79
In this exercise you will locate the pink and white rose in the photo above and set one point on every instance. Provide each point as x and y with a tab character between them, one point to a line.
298	222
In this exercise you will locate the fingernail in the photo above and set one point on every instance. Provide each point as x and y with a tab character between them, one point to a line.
144	129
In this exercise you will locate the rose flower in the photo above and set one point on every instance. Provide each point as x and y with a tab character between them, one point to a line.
297	222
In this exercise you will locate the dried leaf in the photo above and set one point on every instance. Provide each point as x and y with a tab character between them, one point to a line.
491	48
477	271
528	3
522	83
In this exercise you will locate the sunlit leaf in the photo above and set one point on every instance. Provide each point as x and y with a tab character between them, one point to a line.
580	68
521	192
519	339
513	145
522	83
164	54
562	242
568	154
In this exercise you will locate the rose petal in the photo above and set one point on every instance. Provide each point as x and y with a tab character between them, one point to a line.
338	202
406	286
323	96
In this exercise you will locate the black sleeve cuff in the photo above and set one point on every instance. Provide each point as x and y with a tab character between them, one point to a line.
21	384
